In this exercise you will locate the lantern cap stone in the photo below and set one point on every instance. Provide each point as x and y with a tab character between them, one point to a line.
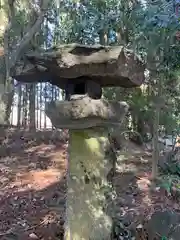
107	65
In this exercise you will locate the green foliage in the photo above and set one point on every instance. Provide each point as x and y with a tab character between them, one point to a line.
170	172
166	184
148	28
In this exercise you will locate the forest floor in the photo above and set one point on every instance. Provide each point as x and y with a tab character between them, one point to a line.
32	185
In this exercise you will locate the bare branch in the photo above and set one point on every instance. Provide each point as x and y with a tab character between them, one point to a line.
29	34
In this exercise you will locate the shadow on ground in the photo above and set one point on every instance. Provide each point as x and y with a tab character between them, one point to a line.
32	187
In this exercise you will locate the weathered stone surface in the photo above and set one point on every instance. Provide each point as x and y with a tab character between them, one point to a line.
84	112
89	188
108	66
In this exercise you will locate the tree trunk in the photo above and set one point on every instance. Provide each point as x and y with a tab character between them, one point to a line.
45	96
89	185
10	54
10	97
103	37
2	105
37	106
25	106
40	107
141	126
6	100
32	106
155	155
157	109
19	106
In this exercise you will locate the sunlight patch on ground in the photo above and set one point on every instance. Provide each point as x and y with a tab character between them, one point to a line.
42	179
36	179
143	184
26	176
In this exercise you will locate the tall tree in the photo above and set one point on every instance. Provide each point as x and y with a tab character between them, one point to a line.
14	44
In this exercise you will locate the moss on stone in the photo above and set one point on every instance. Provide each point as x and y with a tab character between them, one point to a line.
89	166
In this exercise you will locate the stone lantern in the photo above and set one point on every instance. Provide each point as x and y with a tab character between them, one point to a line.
82	71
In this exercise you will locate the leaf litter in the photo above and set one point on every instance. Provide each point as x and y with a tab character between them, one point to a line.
33	186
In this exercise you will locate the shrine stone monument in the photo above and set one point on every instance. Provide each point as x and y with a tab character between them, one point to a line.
82	71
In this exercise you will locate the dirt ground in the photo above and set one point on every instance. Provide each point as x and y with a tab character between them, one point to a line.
33	186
